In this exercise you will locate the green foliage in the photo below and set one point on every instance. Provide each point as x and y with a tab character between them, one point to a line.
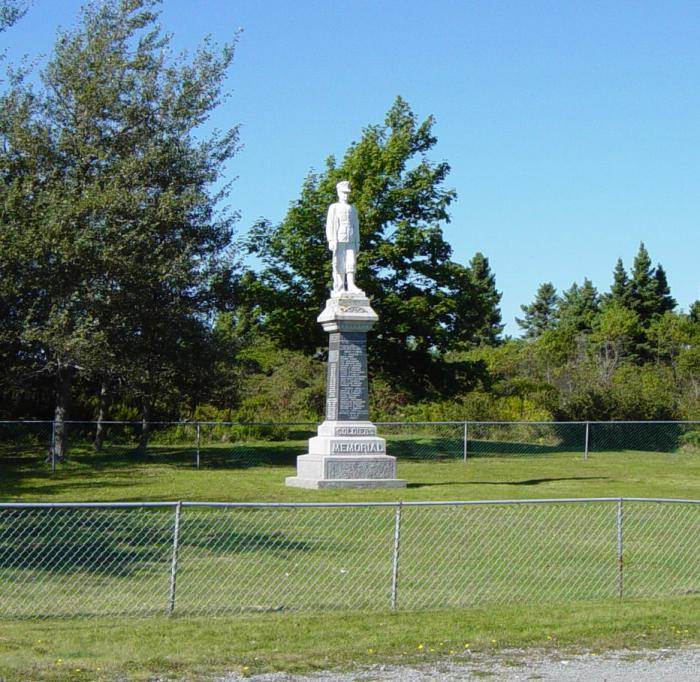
429	303
487	299
112	251
621	290
278	381
649	291
475	406
694	311
646	392
578	307
122	297
541	314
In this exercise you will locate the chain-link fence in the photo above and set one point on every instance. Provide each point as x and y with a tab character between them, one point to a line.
213	444
90	559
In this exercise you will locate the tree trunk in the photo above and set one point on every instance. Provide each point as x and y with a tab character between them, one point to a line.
58	445
145	428
101	415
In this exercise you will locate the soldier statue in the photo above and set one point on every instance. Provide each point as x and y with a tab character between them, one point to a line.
343	234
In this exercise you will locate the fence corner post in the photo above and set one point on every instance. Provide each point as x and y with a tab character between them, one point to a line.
395	563
587	442
173	562
620	520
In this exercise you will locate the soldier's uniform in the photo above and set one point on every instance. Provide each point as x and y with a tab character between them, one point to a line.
343	234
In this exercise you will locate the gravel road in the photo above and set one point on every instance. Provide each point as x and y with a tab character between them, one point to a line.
662	665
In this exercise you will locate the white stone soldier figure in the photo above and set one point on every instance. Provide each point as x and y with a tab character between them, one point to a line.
343	234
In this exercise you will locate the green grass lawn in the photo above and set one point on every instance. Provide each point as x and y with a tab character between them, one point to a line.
168	474
196	648
298	551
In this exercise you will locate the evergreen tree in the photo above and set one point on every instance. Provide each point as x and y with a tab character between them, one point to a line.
487	298
579	306
665	302
649	291
541	315
425	300
620	291
110	230
643	286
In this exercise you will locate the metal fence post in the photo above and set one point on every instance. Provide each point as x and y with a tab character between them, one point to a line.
466	435
586	444
395	565
53	445
198	445
620	517
173	563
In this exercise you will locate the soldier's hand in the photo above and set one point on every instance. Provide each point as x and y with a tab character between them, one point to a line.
332	245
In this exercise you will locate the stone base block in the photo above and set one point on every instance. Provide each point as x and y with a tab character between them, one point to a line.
316	484
360	446
345	471
347	429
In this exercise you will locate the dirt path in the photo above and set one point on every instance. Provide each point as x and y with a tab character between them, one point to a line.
663	665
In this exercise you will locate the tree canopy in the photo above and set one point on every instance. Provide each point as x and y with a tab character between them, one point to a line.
112	250
430	304
122	294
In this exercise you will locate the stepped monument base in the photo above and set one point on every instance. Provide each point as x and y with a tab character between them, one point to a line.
347	453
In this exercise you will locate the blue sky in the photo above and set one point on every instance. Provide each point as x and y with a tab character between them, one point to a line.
572	128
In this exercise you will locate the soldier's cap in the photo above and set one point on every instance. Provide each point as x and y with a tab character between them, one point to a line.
343	186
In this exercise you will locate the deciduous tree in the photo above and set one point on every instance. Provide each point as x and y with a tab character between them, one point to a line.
428	304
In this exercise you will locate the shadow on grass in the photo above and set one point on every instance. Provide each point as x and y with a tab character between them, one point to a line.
530	481
427	449
66	541
28	473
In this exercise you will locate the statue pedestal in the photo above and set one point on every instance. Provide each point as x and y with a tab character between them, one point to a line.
347	453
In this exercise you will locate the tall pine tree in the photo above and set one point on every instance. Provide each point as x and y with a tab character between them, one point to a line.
541	315
620	291
579	306
487	298
664	301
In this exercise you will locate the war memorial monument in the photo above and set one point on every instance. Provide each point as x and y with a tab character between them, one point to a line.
346	453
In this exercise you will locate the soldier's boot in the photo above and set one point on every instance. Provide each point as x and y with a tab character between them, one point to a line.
352	287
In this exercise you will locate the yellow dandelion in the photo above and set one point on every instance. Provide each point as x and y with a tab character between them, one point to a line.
370	651
421	647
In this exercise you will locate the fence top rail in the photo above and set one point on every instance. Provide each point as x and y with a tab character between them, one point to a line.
316	505
155	423
556	423
78	505
378	423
